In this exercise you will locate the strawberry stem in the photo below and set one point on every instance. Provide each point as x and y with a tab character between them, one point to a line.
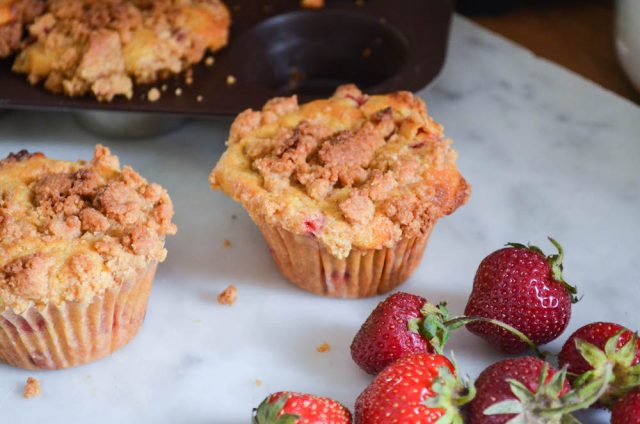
555	261
457	322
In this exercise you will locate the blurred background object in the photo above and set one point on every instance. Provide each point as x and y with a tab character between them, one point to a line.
628	38
577	34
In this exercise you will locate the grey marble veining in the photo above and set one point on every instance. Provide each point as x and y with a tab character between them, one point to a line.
547	153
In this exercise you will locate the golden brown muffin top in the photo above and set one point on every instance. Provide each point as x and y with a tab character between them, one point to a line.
102	46
71	230
14	14
352	170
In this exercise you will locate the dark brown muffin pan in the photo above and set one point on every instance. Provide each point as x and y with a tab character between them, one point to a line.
276	48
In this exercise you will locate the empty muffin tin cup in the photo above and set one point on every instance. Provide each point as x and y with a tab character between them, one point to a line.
127	125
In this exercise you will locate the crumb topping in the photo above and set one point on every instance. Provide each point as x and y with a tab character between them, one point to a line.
70	230
228	296
353	170
32	388
14	15
101	47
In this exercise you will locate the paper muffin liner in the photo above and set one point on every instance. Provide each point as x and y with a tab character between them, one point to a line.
364	273
74	333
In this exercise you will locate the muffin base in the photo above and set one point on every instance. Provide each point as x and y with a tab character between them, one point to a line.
74	333
364	273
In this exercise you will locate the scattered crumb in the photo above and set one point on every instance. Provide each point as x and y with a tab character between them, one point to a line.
227	243
199	99
32	388
228	296
209	61
188	77
178	91
312	4
383	20
234	216
360	3
366	53
324	347
153	95
295	78
258	382
231	80
164	87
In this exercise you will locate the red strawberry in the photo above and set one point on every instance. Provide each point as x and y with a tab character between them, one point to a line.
300	408
592	348
385	336
528	390
627	409
521	287
419	388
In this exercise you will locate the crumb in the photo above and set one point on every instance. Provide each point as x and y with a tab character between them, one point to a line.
312	4
234	217
153	95
360	3
188	78
199	99
231	80
295	78
366	53
209	61
227	243
178	91
228	296
164	87
324	347
32	388
258	382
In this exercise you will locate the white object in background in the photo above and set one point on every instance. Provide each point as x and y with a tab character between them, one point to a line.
628	38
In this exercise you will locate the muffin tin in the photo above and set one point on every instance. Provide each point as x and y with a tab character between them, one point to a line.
277	48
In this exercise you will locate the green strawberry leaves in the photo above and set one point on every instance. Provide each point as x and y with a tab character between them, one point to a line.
624	377
451	394
546	404
432	326
555	261
267	412
436	326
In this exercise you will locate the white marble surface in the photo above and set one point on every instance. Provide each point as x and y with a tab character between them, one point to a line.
547	153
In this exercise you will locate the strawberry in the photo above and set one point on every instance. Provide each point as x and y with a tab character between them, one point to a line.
525	289
404	324
528	390
300	408
627	409
594	347
385	336
419	388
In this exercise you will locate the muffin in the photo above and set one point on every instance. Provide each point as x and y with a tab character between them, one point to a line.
346	190
14	15
102	47
79	246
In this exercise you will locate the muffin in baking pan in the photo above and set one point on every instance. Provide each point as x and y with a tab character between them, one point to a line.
79	246
347	190
103	47
14	15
